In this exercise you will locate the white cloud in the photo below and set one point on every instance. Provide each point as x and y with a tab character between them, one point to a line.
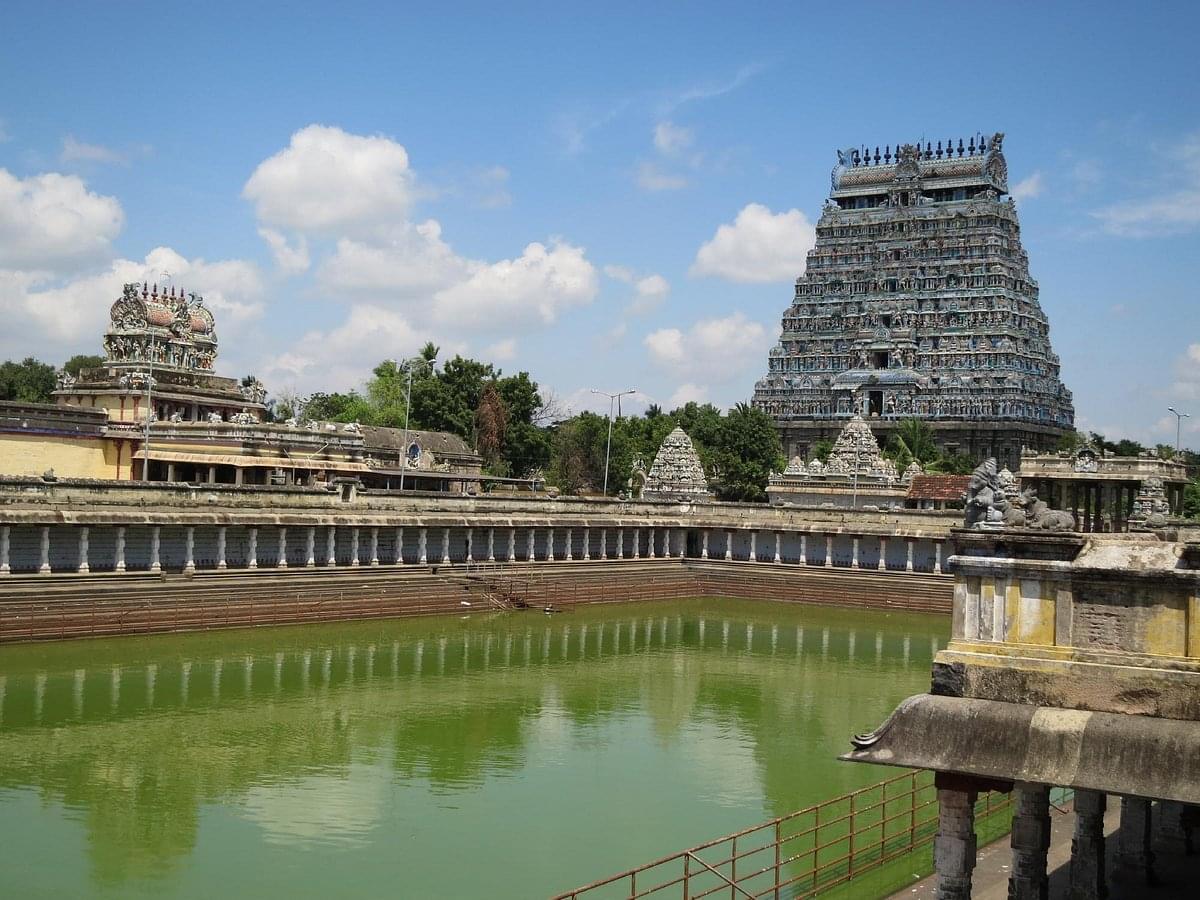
538	285
688	393
327	180
501	351
718	349
652	178
291	259
491	188
1171	209
410	262
1027	188
231	288
651	291
671	139
74	150
52	223
1187	377
759	246
619	273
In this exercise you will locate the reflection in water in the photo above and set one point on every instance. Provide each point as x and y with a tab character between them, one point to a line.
503	755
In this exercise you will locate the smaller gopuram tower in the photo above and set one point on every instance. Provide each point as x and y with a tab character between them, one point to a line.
917	302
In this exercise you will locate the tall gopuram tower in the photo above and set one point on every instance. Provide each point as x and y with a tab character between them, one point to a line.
917	302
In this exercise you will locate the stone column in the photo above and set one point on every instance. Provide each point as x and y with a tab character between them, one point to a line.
221	563
212	474
1134	855
374	545
728	544
1087	847
682	543
778	559
44	568
587	543
954	846
550	544
637	544
649	543
282	562
704	544
491	545
908	565
530	549
829	551
620	543
423	546
445	546
1030	842
6	548
155	536
854	556
84	567
252	549
354	546
331	546
570	539
470	548
666	543
1172	833
512	544
604	543
937	558
804	549
310	550
754	545
189	549
882	566
120	551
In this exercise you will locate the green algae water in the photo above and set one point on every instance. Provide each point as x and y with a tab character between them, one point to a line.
507	755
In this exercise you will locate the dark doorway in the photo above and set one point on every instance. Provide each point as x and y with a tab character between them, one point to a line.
875	403
879	359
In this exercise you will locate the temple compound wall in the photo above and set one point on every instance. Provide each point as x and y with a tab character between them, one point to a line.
917	301
1074	662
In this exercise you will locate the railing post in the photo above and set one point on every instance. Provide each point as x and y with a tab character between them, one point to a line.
733	872
850	849
778	822
687	876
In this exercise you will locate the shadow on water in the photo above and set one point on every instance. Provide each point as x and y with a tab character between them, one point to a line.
296	756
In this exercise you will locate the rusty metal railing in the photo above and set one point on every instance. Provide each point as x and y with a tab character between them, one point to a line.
798	855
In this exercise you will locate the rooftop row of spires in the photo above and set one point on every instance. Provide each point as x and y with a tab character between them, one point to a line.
976	146
150	291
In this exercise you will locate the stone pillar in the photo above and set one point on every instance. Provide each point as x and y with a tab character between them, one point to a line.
189	549
937	558
530	549
221	563
570	539
804	549
854	556
423	546
1030	842
754	545
445	546
84	567
120	551
6	548
252	550
310	547
512	544
882	554
666	543
604	543
728	544
491	545
637	544
649	544
331	546
908	564
170	471
470	548
1087	847
682	543
954	845
620	543
282	562
587	543
354	546
374	545
778	559
212	474
829	551
155	537
550	544
44	567
1134	855
1172	833
704	544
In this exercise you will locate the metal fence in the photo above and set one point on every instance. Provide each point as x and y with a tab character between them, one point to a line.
798	855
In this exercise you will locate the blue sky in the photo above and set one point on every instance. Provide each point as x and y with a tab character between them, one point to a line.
606	195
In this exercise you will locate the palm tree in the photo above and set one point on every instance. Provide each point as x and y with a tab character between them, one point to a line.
913	440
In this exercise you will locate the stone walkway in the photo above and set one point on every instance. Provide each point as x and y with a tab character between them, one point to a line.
1177	875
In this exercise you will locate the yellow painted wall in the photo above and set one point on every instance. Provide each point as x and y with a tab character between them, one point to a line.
33	454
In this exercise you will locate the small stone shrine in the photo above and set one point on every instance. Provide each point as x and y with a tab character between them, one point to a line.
676	473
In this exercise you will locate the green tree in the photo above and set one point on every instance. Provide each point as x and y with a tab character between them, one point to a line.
1070	441
29	381
912	440
385	395
953	464
821	450
491	425
1191	499
81	361
338	407
745	454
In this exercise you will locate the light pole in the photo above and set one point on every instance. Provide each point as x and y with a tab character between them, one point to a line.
1179	417
410	364
612	398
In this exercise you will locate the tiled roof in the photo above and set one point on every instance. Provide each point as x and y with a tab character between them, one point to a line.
938	487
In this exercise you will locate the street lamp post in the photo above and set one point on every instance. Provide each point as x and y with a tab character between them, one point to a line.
1179	417
612	398
411	365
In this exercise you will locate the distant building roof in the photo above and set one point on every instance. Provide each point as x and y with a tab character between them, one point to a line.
441	443
938	487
